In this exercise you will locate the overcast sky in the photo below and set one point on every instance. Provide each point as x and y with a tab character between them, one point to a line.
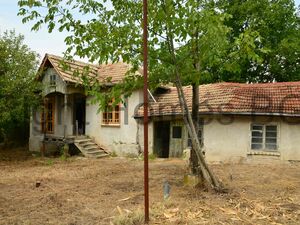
42	42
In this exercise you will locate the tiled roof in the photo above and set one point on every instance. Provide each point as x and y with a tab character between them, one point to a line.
106	73
233	98
113	73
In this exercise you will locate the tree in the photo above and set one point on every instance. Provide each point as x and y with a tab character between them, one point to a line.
17	73
201	37
277	23
188	42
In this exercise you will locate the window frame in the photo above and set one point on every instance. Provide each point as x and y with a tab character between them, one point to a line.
176	132
264	137
52	79
45	122
106	121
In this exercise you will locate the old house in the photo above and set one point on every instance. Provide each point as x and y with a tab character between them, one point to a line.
238	121
69	115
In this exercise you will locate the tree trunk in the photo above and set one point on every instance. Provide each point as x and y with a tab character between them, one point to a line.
195	116
195	104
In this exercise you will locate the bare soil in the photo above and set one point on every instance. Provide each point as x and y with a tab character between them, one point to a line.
97	191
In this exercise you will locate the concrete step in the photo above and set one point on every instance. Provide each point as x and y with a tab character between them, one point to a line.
94	151
86	144
83	140
90	149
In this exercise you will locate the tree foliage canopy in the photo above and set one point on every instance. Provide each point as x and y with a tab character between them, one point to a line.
17	72
277	23
256	41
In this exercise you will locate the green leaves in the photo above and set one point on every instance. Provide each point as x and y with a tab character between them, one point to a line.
272	22
213	40
17	74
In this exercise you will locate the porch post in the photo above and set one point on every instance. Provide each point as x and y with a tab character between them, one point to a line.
65	115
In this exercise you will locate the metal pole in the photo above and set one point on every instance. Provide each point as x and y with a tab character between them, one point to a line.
145	73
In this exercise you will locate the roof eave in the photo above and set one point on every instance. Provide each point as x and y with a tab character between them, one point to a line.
227	113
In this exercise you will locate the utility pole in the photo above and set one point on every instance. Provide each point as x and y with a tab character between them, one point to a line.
145	73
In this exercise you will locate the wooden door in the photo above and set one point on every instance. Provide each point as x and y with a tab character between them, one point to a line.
48	114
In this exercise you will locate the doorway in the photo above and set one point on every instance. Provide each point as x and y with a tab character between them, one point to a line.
79	114
162	139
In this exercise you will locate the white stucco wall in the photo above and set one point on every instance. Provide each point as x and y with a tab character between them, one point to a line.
35	137
150	135
121	139
47	88
232	142
226	142
290	140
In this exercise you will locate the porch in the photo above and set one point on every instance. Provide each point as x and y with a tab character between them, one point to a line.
63	115
60	118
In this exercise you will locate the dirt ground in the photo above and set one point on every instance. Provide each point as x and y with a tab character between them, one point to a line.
109	190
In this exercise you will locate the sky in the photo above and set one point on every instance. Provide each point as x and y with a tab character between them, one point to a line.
41	42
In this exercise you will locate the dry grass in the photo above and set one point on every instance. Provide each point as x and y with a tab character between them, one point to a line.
110	191
127	217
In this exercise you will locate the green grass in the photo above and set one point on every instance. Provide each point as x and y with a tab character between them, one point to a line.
49	162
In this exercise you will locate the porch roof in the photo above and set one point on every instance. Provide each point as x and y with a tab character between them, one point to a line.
281	99
105	73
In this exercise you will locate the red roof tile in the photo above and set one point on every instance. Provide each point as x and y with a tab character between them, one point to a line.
106	73
234	98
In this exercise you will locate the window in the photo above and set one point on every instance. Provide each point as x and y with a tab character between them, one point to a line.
177	130
47	117
111	116
52	80
263	137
